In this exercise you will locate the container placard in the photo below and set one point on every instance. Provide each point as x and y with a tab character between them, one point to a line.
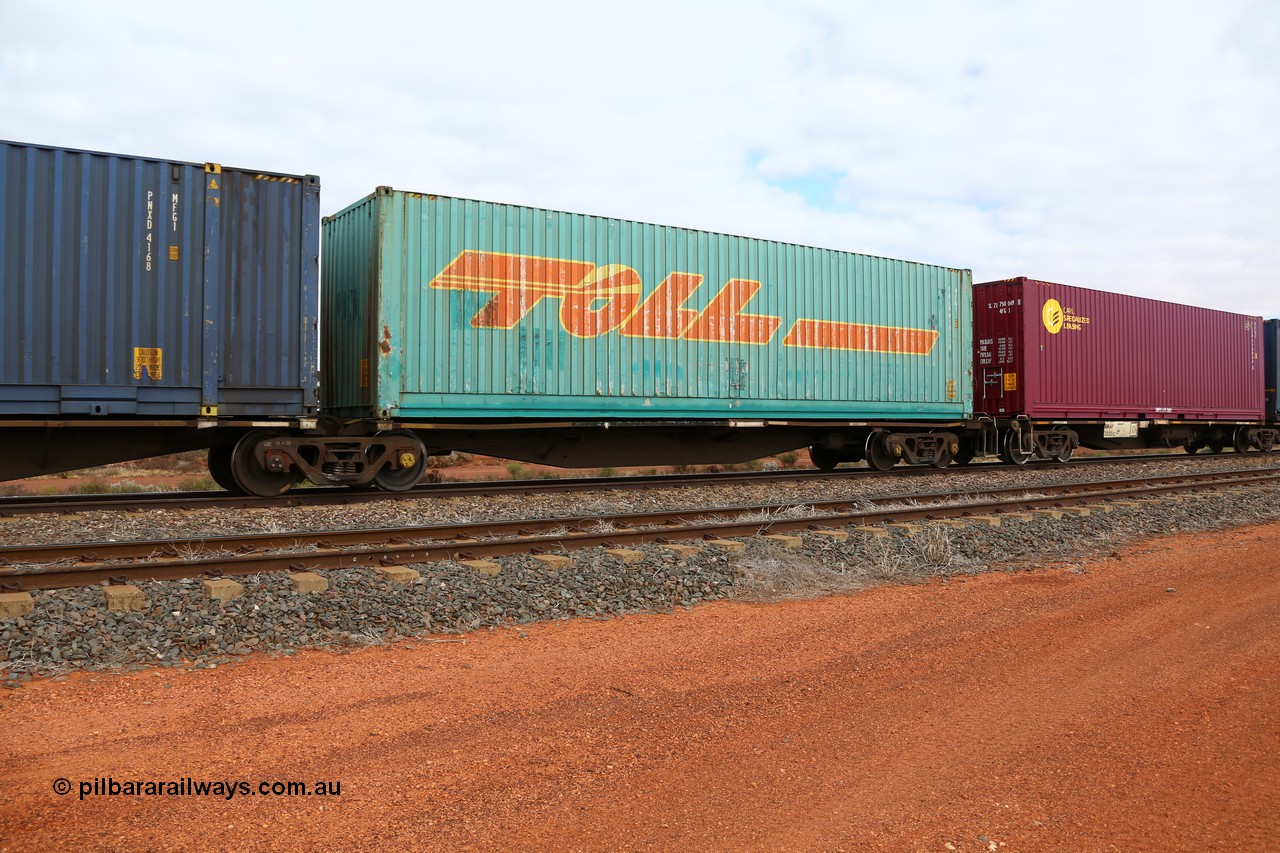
147	359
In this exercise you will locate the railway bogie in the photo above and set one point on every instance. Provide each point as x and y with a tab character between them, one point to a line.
268	462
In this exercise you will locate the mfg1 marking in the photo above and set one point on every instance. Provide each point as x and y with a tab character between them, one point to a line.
596	300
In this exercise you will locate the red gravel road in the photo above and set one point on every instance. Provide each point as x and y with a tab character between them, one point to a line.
1049	710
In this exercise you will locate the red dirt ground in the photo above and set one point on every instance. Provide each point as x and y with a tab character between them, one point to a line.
1048	710
476	468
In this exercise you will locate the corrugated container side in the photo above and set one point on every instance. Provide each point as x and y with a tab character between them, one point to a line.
503	311
135	286
350	287
1054	351
270	280
1271	348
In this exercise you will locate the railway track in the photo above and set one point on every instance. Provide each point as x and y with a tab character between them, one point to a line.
143	501
68	565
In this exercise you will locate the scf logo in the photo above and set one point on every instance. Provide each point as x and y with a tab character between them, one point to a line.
1052	316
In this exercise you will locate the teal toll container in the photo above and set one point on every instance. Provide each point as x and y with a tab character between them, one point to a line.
442	309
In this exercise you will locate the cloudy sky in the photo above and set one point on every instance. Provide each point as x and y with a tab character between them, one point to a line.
1129	146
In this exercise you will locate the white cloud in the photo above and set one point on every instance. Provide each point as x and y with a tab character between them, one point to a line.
1125	146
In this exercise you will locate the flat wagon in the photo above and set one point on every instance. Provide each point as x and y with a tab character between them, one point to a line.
150	306
1057	366
581	340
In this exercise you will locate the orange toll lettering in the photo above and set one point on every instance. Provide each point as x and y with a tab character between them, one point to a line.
723	320
519	282
661	315
858	337
602	302
596	300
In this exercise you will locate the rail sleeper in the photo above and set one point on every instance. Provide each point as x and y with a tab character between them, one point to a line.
399	574
124	597
554	561
309	582
223	589
15	604
488	568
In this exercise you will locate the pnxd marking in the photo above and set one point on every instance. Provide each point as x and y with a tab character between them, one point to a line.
597	300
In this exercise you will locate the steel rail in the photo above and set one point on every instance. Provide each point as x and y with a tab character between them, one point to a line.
134	502
397	553
95	552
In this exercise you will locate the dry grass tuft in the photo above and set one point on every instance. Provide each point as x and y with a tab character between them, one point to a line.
779	576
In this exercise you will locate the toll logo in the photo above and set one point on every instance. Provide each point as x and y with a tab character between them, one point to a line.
612	299
1053	316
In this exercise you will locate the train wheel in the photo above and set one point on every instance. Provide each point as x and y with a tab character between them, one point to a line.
220	468
1064	455
1241	442
251	477
878	455
1013	452
412	462
966	452
1216	446
823	459
1193	447
943	460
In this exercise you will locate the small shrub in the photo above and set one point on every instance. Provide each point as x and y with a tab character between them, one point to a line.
448	460
92	486
128	487
13	490
789	459
607	472
203	483
649	472
192	460
518	471
776	576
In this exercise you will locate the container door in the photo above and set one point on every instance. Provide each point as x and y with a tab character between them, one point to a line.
998	347
265	294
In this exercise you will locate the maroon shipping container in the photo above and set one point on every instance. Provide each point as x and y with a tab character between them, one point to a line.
1054	352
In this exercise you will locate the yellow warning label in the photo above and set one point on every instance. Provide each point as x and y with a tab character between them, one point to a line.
1011	382
148	359
173	253
951	389
364	373
213	183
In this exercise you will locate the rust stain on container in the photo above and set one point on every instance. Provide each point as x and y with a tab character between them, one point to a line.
384	345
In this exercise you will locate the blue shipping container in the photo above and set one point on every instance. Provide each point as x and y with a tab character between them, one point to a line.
141	287
445	308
